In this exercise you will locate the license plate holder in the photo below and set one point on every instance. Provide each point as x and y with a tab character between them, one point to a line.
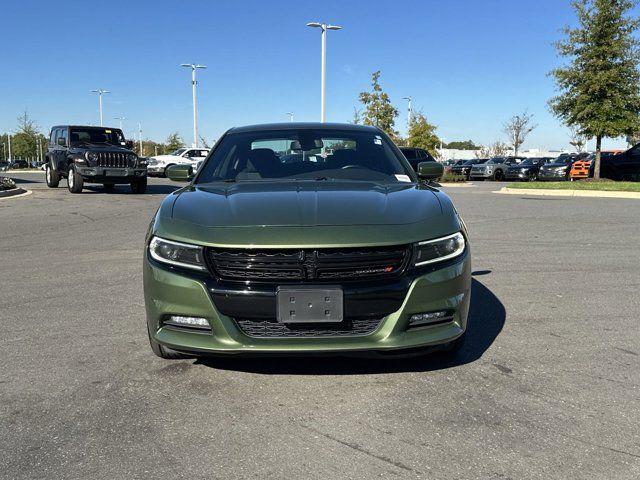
310	304
116	173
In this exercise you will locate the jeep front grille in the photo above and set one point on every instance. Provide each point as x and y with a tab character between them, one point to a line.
295	265
112	159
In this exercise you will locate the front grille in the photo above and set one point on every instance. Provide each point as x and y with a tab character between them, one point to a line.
273	329
331	264
112	159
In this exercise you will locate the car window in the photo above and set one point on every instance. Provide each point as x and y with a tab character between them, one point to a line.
410	154
62	133
305	154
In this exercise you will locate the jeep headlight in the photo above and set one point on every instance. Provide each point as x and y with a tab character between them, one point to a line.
440	249
177	253
132	157
91	156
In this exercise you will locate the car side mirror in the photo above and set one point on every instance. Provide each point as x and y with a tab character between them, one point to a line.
180	173
430	170
62	142
129	144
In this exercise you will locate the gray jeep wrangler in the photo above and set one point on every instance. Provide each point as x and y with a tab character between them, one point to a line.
93	155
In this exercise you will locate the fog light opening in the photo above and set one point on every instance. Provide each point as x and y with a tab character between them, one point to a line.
427	319
187	322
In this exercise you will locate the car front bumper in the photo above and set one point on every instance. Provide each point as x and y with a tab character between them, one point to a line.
481	174
517	176
155	169
170	291
552	176
111	175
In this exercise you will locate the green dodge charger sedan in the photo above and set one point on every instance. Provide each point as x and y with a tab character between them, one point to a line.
306	238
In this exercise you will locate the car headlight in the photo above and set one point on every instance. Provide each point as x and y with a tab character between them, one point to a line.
132	157
439	249
152	161
176	253
91	156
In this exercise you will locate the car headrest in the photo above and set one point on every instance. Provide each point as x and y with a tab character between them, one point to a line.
265	161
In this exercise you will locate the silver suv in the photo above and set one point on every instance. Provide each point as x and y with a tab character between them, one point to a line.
494	168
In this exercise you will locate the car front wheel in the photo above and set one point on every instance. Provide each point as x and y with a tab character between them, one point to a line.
498	175
75	181
53	178
139	185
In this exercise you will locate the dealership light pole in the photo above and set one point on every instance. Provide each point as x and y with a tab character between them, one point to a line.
408	99
290	116
140	133
120	119
100	92
194	67
323	63
9	138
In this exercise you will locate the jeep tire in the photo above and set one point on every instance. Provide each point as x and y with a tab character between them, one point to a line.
139	185
53	177
75	182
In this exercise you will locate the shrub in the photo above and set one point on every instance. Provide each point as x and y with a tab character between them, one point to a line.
452	178
7	183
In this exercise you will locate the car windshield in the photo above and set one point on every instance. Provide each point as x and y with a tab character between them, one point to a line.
529	162
178	152
495	161
108	136
305	154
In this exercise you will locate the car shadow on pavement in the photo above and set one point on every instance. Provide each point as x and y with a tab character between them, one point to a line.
23	180
486	320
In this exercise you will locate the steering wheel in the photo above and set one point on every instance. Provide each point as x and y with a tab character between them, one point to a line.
351	166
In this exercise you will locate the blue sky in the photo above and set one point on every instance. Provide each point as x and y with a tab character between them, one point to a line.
469	65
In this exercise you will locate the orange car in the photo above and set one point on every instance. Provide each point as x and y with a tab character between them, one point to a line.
582	168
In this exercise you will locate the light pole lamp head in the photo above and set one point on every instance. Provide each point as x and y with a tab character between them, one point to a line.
323	26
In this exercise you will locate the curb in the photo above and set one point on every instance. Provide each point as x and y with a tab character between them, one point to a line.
568	193
458	185
15	193
24	170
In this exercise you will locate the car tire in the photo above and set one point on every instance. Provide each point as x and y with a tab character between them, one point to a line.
164	352
108	187
497	176
139	185
52	177
164	172
533	177
75	182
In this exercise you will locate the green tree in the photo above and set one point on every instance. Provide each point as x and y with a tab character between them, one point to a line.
422	134
600	86
462	145
173	142
378	110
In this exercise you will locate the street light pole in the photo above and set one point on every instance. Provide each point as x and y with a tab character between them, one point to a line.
120	119
290	116
194	67
100	91
140	133
323	63
408	99
9	137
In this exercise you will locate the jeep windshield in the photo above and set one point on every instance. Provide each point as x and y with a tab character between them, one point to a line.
96	135
305	154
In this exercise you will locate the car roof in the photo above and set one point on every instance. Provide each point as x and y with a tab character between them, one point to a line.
299	125
85	126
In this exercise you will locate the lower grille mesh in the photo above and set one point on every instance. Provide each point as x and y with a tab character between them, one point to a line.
271	328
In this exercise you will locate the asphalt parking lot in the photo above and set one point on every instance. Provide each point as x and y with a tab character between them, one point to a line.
548	385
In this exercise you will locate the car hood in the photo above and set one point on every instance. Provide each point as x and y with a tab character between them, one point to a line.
305	204
306	213
169	158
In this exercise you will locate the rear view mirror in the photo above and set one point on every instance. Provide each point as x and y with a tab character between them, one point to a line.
180	173
129	144
430	170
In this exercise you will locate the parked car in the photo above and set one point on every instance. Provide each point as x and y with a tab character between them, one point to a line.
4	166
584	168
18	164
158	164
350	253
416	155
624	166
528	169
558	169
86	154
494	168
464	166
